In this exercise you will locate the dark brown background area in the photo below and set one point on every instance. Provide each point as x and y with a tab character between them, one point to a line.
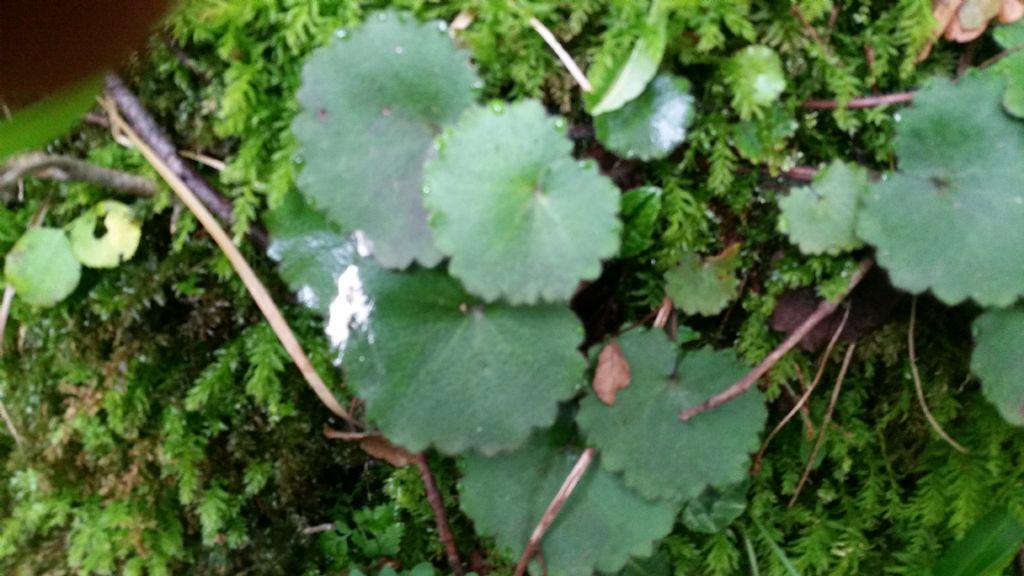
48	44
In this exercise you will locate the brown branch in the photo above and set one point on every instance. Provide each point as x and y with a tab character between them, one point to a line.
810	389
920	389
824	309
68	169
802	173
824	423
561	497
146	128
444	532
862	102
810	31
252	283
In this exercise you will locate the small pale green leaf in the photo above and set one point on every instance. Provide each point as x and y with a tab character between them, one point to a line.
105	236
756	78
602	524
310	251
1013	68
42	268
1010	35
36	125
715	509
765	139
642	437
987	548
822	218
652	125
996	360
438	367
519	216
952	219
640	208
372	103
704	287
629	80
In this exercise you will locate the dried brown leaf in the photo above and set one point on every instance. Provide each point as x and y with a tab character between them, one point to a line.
379	447
612	374
1011	11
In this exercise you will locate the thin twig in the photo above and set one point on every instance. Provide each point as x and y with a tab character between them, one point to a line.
802	173
564	56
1008	52
810	389
825	309
862	102
824	423
335	434
68	169
326	527
208	161
920	389
256	289
5	313
805	412
561	497
444	531
143	125
810	31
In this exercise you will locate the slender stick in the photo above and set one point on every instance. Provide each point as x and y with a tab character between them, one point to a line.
146	128
444	532
564	56
810	389
810	31
824	309
553	509
824	423
66	168
259	293
920	389
862	102
5	313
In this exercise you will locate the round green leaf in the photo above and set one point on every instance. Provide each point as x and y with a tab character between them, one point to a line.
602	524
642	437
105	236
822	218
519	216
41	267
372	103
311	253
952	219
756	78
652	125
996	361
438	367
704	287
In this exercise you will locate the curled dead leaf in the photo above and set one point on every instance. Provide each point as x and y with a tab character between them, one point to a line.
964	20
612	374
1011	11
380	448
